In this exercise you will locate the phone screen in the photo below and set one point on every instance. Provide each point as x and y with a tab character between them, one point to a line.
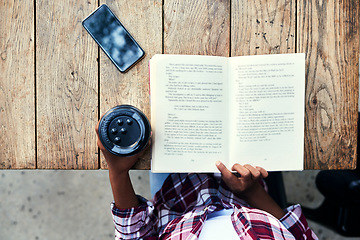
113	38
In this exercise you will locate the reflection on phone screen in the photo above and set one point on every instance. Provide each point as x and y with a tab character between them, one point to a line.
113	38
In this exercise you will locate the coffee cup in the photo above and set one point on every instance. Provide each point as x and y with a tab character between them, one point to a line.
124	130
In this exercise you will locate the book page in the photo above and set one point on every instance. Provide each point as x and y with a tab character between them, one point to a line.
188	112
267	111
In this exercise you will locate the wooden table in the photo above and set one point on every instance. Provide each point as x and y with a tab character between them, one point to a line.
55	83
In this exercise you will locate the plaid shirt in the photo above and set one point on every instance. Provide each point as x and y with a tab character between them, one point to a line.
181	206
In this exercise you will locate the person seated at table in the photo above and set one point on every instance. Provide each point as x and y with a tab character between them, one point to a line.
201	206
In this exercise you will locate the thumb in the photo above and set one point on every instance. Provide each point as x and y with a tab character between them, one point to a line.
226	174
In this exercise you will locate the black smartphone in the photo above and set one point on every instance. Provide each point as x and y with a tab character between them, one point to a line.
117	43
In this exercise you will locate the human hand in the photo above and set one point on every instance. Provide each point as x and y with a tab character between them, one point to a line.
248	187
117	163
247	184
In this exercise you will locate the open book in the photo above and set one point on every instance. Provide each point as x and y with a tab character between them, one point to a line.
247	110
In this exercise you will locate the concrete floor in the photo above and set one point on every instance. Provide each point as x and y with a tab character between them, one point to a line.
56	204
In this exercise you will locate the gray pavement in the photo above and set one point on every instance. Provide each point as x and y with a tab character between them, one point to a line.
58	204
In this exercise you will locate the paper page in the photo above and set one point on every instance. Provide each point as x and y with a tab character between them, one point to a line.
267	111
188	112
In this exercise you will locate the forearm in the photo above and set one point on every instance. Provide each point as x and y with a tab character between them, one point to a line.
260	199
123	191
128	208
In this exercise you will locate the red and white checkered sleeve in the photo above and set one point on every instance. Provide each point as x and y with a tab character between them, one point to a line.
295	221
135	223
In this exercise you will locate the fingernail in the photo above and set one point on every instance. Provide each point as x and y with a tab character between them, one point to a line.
218	163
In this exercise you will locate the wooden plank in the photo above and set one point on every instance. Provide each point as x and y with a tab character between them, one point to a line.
67	86
143	19
262	27
17	63
197	27
328	32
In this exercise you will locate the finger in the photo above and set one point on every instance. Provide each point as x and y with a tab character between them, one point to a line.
255	174
244	172
100	145
263	172
150	139
97	128
226	174
97	125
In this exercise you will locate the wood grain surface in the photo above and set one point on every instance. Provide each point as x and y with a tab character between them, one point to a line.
17	107
66	86
328	33
263	27
143	19
55	82
197	27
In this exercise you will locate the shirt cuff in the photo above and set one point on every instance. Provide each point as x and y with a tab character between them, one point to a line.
119	211
134	223
295	221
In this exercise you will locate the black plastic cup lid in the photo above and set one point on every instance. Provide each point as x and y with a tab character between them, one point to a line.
124	130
